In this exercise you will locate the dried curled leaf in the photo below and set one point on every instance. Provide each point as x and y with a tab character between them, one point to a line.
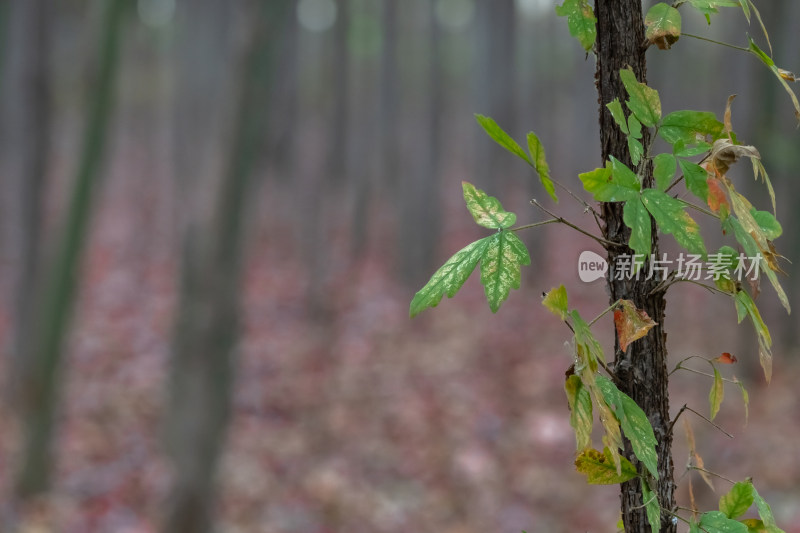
631	323
724	154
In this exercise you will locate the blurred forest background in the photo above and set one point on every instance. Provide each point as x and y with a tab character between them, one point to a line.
215	214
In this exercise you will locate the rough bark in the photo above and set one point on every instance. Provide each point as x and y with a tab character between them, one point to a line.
640	372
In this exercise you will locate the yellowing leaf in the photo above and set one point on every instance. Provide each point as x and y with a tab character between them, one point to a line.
759	53
500	267
716	394
716	196
450	277
663	24
580	406
613	183
694	457
599	468
615	108
724	154
745	399
745	306
486	210
631	323
540	164
556	302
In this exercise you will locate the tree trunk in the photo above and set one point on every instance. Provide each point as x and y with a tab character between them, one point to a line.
640	373
203	364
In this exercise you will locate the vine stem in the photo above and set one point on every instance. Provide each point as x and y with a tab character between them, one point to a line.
692	370
562	220
601	315
742	48
693	282
698	208
687	408
534	225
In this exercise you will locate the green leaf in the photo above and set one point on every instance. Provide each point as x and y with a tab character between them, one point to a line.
580	406
486	210
618	115
636	150
500	267
634	424
765	513
759	53
696	179
450	277
636	217
746	9
745	306
738	500
664	167
663	25
709	7
581	21
672	219
540	165
642	100
635	127
717	522
556	302
690	127
501	137
716	394
768	223
599	468
681	150
609	186
652	507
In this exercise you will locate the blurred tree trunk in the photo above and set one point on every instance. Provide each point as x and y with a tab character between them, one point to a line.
641	371
27	146
419	191
51	316
207	323
340	123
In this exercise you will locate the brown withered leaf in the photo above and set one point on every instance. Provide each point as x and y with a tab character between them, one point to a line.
631	323
694	457
724	154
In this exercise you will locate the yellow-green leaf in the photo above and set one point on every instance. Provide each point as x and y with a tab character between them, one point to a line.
738	500
599	468
486	210
634	423
618	115
643	101
500	267
450	277
759	53
663	24
501	137
716	394
652	507
613	183
540	164
580	406
745	306
581	21
556	302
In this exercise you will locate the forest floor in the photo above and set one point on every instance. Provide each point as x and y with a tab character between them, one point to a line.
363	421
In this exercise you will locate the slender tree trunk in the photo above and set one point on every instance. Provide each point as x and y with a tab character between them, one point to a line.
641	372
53	310
207	326
27	140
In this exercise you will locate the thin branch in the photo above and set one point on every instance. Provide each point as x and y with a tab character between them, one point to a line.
699	469
698	208
707	287
707	420
601	315
678	366
600	240
693	371
534	225
742	48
